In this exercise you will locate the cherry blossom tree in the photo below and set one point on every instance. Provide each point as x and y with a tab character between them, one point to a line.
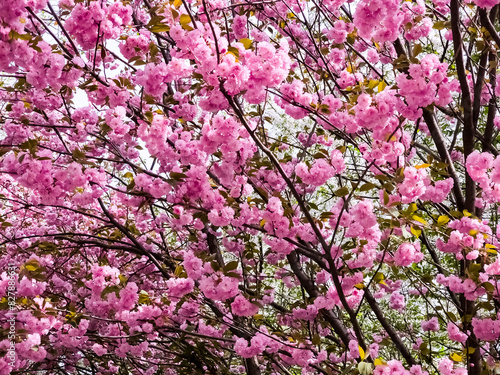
249	187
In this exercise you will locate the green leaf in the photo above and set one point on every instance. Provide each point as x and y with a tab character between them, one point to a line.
215	266
155	19
488	286
424	349
367	186
316	340
30	145
326	215
110	289
386	198
417	48
177	176
231	266
319	155
451	316
342	192
78	154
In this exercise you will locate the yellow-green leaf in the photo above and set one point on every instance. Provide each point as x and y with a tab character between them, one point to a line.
178	270
159	28
185	19
419	219
425	165
379	362
143	298
373	83
415	232
379	276
361	353
439	25
247	43
412	208
491	248
234	51
456	357
123	279
443	219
